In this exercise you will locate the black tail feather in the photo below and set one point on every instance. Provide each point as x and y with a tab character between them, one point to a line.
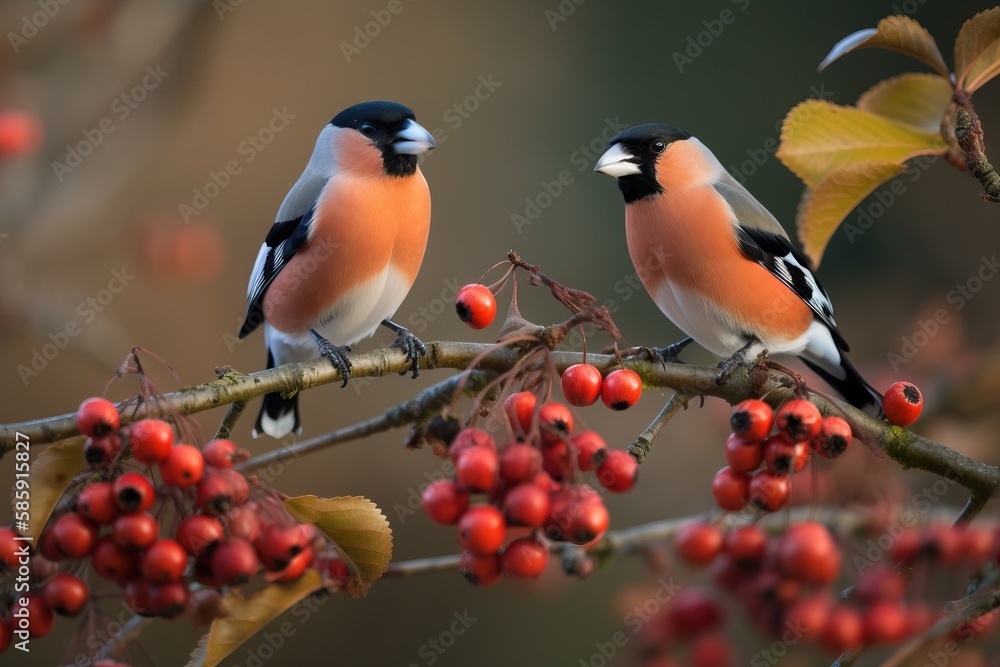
854	388
278	416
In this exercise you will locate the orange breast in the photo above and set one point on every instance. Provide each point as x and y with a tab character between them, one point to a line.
684	236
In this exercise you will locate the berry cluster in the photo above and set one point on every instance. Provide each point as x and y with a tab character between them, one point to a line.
787	582
799	432
202	527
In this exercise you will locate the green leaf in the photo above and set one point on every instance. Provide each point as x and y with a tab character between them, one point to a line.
819	138
244	618
824	207
977	50
896	33
919	99
358	530
51	474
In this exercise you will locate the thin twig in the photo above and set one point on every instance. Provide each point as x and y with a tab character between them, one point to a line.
641	445
233	413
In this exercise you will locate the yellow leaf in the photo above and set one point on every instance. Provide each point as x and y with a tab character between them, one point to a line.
244	618
358	530
823	208
977	50
51	473
917	99
819	138
896	33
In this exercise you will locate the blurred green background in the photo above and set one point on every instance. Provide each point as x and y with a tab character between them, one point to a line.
559	74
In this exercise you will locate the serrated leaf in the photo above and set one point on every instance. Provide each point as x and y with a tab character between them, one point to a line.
824	207
977	50
51	473
819	138
199	655
919	99
896	33
358	529
245	618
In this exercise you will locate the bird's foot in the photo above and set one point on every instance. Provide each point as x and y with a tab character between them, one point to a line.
728	366
413	347
337	354
665	355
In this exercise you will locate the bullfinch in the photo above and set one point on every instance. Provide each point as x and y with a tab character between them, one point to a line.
344	250
719	265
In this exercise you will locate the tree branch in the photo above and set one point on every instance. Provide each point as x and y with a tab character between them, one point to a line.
906	448
969	133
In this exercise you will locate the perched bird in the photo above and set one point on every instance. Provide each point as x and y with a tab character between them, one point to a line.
718	264
344	250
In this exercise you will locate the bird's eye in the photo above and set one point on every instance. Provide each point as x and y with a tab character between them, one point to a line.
367	129
658	146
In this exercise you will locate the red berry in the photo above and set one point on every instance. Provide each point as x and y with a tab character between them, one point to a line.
618	471
470	438
698	543
524	558
169	599
808	615
586	445
10	548
621	389
297	566
150	440
114	563
743	456
903	403
279	544
46	546
808	552
234	561
520	462
97	503
731	489
746	545
799	420
20	133
480	570
581	384
197	532
477	469
941	543
183	467
885	623
165	561
770	490
692	612
880	583
711	651
752	420
520	409
33	607
556	460
578	515
220	490
66	594
476	306
556	423
136	594
833	438
243	522
75	536
103	450
976	546
134	492
220	453
782	457
526	505
135	531
481	530
97	417
843	629
444	502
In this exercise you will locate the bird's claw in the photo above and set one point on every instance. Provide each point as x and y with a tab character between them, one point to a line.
337	354
666	355
413	347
